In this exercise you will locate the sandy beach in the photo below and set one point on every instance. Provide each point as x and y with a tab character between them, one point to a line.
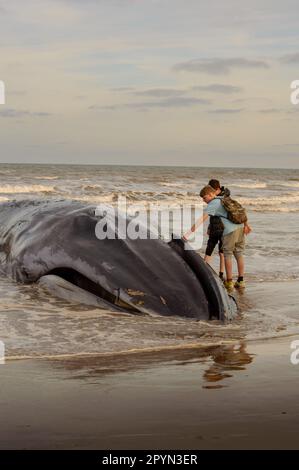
238	396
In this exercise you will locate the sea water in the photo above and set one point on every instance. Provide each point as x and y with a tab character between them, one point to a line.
34	323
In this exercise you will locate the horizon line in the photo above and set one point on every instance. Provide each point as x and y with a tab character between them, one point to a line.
149	166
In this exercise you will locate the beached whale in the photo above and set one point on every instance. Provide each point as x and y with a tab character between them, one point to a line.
55	243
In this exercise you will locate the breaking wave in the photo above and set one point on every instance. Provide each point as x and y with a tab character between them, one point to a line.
25	189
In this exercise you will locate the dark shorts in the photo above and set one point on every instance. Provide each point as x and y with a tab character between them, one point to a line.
212	242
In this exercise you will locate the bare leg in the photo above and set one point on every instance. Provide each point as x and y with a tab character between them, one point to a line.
240	263
229	268
207	259
221	269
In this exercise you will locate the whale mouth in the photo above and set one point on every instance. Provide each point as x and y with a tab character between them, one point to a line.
79	280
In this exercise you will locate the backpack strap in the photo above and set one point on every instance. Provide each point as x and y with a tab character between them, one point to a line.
223	216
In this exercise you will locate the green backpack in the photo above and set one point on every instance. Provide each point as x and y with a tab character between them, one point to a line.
235	212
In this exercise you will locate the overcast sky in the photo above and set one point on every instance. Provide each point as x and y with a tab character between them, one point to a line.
154	82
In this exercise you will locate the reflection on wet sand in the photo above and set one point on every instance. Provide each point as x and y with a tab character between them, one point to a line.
226	359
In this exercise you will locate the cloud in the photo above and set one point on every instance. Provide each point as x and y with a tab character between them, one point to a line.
253	99
218	88
285	145
111	107
18	93
123	89
14	113
226	111
174	92
160	92
290	58
270	111
217	65
172	102
295	109
58	13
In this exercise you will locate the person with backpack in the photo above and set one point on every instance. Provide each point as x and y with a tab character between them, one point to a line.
215	229
236	226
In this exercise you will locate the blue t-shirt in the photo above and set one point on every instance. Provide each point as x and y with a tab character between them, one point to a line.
214	207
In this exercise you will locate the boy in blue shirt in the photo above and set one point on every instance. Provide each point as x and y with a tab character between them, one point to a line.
233	236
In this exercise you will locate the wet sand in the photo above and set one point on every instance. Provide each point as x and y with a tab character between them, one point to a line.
242	396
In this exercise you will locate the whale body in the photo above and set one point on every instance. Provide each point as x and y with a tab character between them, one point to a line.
54	243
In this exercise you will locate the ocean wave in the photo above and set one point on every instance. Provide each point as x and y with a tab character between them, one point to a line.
22	189
93	192
101	198
45	177
257	185
91	188
159	199
154	200
270	200
128	352
170	184
279	203
278	209
269	329
289	184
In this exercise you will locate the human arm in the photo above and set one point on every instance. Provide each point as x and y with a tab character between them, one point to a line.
194	227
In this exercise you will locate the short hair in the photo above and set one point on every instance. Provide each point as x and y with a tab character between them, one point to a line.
207	190
215	184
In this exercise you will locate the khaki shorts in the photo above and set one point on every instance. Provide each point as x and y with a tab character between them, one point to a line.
234	243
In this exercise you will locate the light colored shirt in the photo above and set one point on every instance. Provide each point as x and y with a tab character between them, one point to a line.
214	207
